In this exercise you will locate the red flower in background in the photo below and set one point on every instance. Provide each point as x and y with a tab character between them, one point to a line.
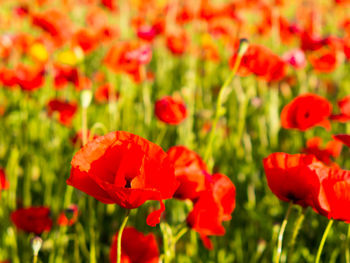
136	247
170	110
129	57
32	219
29	79
305	112
213	206
85	39
342	2
344	106
66	110
332	149
147	33
293	178
190	171
69	216
103	93
55	23
4	184
323	60
344	138
8	77
63	74
126	169
262	62
110	4
178	42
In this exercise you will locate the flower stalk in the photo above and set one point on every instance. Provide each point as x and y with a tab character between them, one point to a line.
120	233
323	241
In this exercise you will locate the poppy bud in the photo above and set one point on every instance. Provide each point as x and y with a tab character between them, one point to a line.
243	46
85	98
36	245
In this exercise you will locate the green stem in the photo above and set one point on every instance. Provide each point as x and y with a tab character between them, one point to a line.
296	229
179	235
223	93
280	235
347	248
323	240
119	241
167	237
92	231
84	125
35	259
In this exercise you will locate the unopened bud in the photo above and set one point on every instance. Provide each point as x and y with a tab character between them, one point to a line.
85	97
36	245
243	46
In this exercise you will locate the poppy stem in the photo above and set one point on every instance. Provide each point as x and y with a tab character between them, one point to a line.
179	235
167	234
280	235
223	94
92	231
120	233
347	247
323	240
296	229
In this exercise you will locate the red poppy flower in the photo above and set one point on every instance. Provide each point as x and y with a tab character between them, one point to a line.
305	112
103	93
344	106
177	43
342	2
146	32
190	171
8	77
54	23
213	206
347	43
206	218
69	216
4	184
32	219
262	62
293	178
224	192
332	149
85	39
110	4
136	247
66	110
63	74
334	197
310	41
170	110
29	79
83	83
126	169
324	60
344	138
128	57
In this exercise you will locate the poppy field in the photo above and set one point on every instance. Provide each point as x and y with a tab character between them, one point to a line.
146	131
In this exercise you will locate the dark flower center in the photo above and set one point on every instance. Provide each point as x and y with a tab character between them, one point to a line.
128	183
